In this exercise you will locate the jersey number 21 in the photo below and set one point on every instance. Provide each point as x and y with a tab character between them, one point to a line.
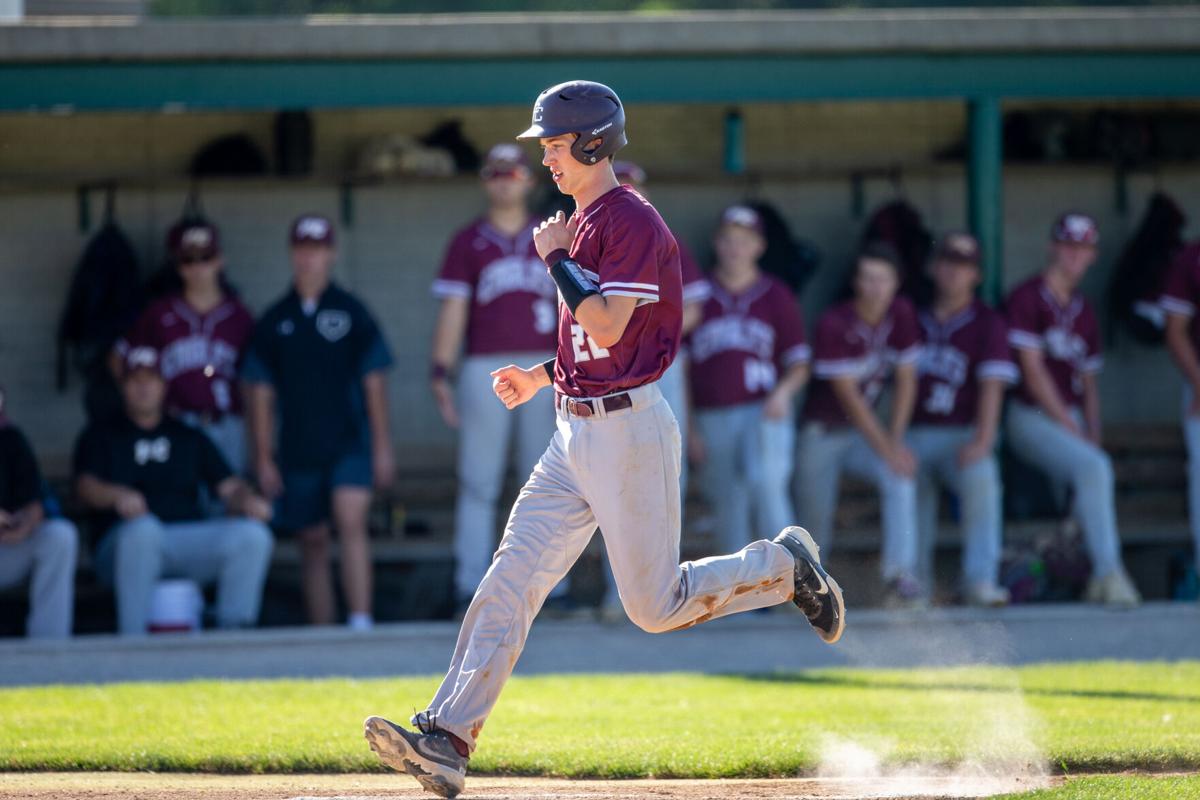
579	339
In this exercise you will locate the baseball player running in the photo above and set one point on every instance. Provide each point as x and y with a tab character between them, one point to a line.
614	458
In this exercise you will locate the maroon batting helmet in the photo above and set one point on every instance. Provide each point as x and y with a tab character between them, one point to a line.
591	110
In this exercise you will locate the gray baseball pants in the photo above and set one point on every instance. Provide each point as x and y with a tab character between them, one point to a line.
234	551
978	490
1072	461
747	471
1191	435
48	557
485	432
823	455
618	471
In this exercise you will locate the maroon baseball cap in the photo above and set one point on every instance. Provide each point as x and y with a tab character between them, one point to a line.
629	172
313	229
193	240
958	247
505	160
141	358
1075	228
745	217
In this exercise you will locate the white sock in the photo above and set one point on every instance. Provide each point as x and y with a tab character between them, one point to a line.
360	622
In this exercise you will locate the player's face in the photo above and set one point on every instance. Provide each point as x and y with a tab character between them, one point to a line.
312	263
144	391
738	246
1073	259
508	190
197	271
567	173
875	282
955	279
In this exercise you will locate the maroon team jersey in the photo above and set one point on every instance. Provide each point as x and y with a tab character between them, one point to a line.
624	246
199	354
1182	290
512	296
743	342
956	354
1067	336
845	346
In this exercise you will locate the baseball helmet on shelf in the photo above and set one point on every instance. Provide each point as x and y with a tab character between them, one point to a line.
589	109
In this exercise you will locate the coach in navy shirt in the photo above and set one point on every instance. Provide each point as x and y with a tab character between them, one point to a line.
318	360
141	474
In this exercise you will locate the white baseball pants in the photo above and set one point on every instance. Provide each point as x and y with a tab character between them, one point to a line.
619	471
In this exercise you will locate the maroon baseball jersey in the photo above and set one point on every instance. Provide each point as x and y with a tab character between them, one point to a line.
743	342
696	287
623	245
199	354
1067	336
956	354
846	346
1182	290
512	296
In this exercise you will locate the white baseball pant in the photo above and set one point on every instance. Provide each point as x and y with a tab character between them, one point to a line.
620	471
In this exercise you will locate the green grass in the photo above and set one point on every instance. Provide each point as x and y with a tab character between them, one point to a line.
1119	787
1105	716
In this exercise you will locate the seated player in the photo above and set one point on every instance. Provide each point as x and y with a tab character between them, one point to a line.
142	474
1054	420
33	545
964	368
860	346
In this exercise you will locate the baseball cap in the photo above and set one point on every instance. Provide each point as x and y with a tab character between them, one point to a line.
744	216
959	247
313	229
629	172
195	240
504	160
141	358
1075	228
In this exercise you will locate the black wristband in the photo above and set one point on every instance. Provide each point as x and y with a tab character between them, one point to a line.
573	285
549	367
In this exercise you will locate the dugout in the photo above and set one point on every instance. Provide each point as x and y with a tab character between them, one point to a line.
836	112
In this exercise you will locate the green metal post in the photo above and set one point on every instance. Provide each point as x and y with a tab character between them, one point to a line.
985	190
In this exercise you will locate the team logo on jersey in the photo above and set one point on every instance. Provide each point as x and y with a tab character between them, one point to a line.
287	327
333	324
147	450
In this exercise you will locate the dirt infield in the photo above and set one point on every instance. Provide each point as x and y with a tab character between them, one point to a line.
149	786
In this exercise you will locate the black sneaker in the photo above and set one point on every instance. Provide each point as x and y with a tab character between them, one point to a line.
817	594
428	757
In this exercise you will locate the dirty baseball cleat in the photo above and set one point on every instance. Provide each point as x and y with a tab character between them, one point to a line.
429	757
817	594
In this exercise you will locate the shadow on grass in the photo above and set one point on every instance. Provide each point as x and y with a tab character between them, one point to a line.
851	681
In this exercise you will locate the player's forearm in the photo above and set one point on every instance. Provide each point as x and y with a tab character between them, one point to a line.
860	414
794	379
1045	393
448	333
904	399
542	374
262	420
1183	352
378	418
96	493
604	320
987	414
692	313
27	518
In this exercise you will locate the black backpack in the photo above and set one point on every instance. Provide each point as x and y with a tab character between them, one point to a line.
103	301
1137	280
899	224
791	260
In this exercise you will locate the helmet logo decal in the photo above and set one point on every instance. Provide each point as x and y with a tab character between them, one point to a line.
537	113
602	129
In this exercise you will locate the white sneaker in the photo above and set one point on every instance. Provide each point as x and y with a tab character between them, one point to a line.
1114	590
987	595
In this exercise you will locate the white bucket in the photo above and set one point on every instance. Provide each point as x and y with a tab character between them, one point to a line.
175	607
